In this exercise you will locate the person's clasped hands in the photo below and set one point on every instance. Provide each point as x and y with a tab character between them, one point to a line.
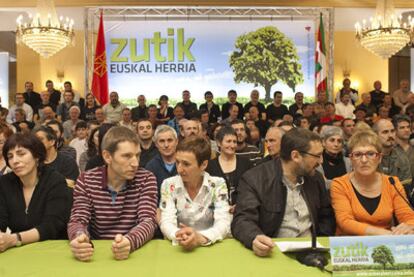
83	249
189	238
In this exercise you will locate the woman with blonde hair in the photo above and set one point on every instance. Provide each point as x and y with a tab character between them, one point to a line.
365	201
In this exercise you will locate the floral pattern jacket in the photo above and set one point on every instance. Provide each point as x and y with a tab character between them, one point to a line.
208	213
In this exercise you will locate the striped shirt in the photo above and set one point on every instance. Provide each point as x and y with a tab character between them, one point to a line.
250	152
100	214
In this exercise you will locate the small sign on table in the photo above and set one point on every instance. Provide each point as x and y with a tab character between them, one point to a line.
372	255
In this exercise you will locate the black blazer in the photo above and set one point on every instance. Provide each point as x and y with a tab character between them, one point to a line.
242	165
261	203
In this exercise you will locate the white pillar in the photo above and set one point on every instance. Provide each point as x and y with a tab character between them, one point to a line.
4	79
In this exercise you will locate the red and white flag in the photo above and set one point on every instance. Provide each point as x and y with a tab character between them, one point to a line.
100	73
320	63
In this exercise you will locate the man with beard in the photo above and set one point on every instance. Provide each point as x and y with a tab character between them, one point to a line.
285	197
400	96
191	127
31	97
402	125
148	149
244	149
394	162
54	94
255	102
113	109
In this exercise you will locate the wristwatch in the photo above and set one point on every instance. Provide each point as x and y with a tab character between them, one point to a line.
19	240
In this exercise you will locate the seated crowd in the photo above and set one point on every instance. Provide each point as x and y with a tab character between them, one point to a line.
71	169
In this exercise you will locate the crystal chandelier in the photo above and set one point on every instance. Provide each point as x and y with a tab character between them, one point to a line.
44	32
385	34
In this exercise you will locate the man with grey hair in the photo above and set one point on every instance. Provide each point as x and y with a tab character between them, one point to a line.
367	104
273	138
163	164
255	102
400	96
394	162
145	131
70	124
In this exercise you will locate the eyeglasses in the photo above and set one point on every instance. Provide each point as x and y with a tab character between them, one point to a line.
369	155
318	156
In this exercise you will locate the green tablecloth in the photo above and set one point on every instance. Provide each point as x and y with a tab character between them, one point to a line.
157	258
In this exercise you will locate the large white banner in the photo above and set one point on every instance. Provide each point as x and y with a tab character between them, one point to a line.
4	79
167	57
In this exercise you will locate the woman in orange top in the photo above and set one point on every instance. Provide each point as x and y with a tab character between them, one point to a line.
365	200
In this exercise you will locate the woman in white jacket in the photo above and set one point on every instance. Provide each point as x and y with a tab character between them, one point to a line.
194	205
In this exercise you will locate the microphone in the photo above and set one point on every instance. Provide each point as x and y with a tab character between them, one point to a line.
392	182
313	256
314	259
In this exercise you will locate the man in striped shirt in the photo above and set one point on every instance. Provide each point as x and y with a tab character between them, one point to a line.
117	201
244	149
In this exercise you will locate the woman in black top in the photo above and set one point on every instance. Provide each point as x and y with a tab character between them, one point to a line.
227	164
35	201
165	112
97	160
5	133
334	164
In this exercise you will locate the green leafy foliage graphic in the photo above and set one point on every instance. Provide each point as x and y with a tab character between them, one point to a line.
382	255
264	57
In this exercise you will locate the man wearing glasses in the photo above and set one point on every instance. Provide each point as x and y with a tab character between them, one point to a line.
284	197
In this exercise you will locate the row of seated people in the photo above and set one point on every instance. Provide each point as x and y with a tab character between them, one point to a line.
194	206
346	99
398	152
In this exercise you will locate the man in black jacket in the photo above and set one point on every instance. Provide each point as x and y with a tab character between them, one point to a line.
31	97
284	197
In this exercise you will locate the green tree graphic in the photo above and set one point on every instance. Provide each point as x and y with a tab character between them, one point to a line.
382	255
264	57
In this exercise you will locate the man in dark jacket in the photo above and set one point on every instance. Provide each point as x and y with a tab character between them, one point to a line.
285	197
31	97
163	164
